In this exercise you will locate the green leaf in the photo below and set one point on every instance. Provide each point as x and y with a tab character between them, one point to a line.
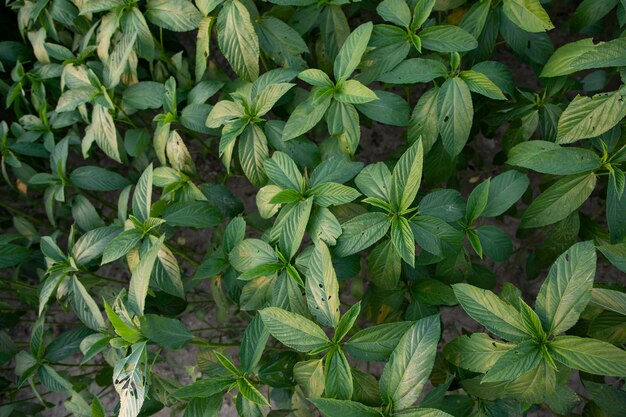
589	12
567	288
615	205
504	191
532	387
121	245
375	181
477	201
52	380
550	158
609	300
140	279
410	364
436	236
361	232
284	197
616	254
261	271
528	15
333	194
197	214
94	6
385	265
515	362
97	179
376	343
223	113
588	117
447	38
496	244
475	18
251	392
227	363
351	52
97	409
433	292
308	113
493	313
559	200
85	307
93	344
342	120
290	226
423	412
164	331
406	177
422	9
531	320
303	151
142	198
71	99
583	54
347	321
287	292
334	29
175	15
310	377
204	407
475	242
424	120
609	398
253	344
250	253
92	244
324	226
563	60
316	77
402	239
253	152
603	55
476	352
144	95
64	346
126	331
498	73
337	375
322	287
589	355
281	42
415	70
455	112
12	255
395	11
238	40
268	97
353	92
136	141
389	109
481	84
344	408
51	250
204	388
293	330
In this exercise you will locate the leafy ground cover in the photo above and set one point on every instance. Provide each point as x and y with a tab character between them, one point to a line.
297	208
